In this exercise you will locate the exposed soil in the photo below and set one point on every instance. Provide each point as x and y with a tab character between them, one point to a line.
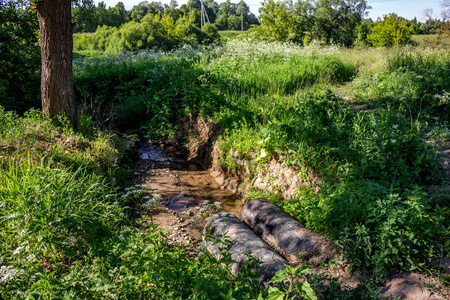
184	185
414	286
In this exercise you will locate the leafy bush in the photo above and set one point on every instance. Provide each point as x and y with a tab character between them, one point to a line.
100	39
20	61
379	227
391	31
152	31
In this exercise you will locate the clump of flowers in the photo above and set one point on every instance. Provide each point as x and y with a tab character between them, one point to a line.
205	210
151	200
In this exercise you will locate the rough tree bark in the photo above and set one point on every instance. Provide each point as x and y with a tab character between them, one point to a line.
55	31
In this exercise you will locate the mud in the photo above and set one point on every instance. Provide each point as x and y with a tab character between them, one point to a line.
181	184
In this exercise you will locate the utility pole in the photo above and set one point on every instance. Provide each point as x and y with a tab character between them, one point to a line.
203	15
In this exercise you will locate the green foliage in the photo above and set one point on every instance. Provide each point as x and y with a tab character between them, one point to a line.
262	68
389	32
278	23
288	274
20	60
414	79
62	235
188	32
361	33
211	31
152	31
65	229
135	36
87	17
331	21
378	227
30	136
141	90
99	40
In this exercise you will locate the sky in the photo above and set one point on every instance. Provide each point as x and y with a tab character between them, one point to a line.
405	8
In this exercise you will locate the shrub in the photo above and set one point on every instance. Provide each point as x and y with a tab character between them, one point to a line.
20	61
391	31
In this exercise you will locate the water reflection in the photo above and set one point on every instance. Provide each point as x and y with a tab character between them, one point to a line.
194	184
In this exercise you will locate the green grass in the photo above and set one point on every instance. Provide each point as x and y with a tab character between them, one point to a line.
369	149
66	229
230	34
272	98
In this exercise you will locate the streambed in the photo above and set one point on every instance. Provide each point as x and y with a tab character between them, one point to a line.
181	184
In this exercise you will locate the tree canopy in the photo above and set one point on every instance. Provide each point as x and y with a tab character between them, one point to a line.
392	30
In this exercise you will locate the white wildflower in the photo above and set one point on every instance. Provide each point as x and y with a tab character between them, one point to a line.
8	273
149	203
31	257
17	251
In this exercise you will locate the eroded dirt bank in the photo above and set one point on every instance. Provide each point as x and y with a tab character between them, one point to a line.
187	176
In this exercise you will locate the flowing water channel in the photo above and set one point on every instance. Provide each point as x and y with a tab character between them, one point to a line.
182	184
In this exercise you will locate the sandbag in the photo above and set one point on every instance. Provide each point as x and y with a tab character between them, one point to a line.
282	231
243	241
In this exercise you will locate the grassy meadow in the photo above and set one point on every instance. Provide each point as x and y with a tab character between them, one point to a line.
369	122
231	34
430	40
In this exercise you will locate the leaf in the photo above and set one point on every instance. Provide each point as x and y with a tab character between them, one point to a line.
275	294
306	291
280	276
301	269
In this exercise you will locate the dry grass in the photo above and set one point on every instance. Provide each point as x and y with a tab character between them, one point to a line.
430	40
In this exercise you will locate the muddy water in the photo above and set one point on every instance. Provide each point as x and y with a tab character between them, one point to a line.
183	185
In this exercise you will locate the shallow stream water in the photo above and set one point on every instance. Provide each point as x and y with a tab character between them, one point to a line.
182	184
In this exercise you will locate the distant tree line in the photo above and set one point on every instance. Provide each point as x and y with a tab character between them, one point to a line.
341	22
225	16
152	31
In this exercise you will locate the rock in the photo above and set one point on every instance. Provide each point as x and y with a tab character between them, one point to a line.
413	286
282	231
243	241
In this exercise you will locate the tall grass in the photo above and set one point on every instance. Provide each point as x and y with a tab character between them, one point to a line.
261	68
413	79
66	230
273	99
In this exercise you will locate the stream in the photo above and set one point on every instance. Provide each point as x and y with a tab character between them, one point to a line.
181	184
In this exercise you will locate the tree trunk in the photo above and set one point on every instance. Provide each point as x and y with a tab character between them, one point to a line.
55	31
